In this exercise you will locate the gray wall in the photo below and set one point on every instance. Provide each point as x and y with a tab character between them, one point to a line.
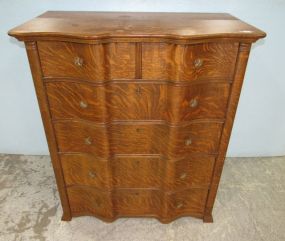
259	129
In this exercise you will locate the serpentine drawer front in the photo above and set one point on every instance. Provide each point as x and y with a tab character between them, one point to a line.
137	107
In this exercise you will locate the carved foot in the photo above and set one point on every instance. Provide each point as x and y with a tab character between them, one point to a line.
208	218
66	217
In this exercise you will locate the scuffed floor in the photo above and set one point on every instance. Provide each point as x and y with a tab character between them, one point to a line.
250	206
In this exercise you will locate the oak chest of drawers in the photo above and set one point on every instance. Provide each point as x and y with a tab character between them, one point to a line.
137	107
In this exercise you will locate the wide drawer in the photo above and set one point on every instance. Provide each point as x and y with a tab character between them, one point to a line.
136	202
137	171
137	101
92	62
135	138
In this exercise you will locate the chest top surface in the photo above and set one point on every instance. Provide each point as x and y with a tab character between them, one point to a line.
102	25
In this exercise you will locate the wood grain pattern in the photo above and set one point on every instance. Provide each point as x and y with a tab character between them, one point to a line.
136	202
137	171
75	136
137	138
86	170
99	61
177	62
140	101
137	107
65	99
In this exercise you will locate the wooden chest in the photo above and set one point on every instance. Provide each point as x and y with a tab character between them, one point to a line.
137	107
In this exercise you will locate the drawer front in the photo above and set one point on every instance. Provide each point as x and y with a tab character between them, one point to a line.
73	136
137	172
133	101
206	61
94	62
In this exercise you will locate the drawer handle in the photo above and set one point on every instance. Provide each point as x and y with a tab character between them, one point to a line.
183	176
179	205
83	104
188	142
193	103
139	91
88	141
91	174
78	61
198	63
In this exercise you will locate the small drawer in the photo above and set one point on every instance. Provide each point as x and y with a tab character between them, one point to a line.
87	200
187	202
207	61
91	62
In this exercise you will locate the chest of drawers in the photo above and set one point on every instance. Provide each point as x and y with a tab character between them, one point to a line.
137	107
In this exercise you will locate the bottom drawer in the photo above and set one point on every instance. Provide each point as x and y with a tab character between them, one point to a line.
136	202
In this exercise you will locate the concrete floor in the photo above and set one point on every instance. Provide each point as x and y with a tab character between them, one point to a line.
250	206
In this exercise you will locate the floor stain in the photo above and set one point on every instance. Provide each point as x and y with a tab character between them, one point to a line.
43	220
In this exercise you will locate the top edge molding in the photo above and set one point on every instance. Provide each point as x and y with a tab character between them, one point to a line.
102	27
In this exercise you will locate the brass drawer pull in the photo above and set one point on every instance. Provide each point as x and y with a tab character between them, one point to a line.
188	142
78	61
193	103
91	174
83	104
88	141
183	176
198	63
179	205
